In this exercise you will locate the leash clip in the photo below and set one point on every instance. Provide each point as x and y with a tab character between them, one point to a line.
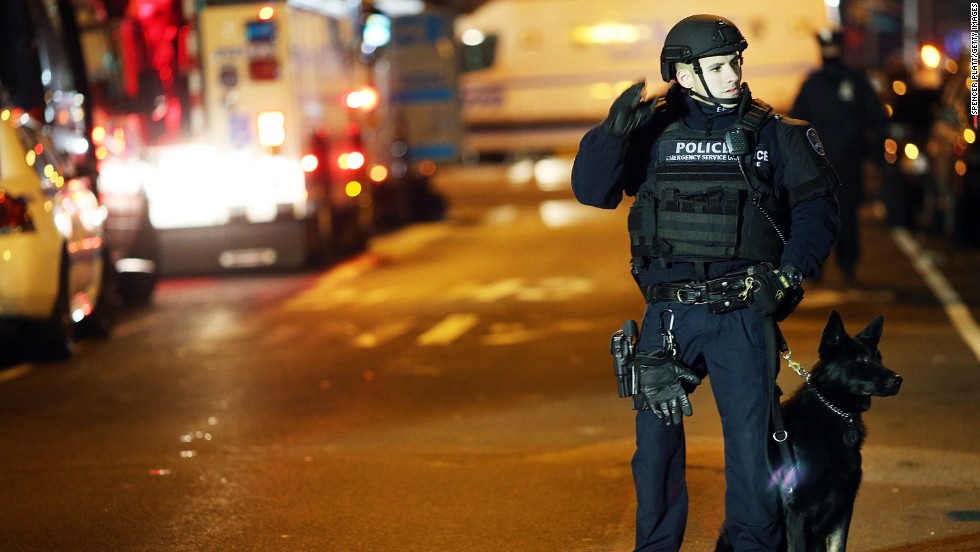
796	366
749	283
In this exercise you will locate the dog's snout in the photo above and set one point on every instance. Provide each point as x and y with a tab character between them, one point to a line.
890	384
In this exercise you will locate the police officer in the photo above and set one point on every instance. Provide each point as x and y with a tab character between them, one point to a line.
733	207
841	104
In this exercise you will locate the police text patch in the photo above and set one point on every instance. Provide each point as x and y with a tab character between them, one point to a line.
694	151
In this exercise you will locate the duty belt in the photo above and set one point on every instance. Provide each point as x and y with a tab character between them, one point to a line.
722	294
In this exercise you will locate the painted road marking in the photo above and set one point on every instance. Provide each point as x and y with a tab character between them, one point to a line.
383	333
327	295
556	288
957	312
498	290
513	333
448	329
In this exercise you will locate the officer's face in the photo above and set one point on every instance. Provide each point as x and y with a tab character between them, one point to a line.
723	75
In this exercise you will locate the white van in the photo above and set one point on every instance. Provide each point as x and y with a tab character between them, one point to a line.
540	73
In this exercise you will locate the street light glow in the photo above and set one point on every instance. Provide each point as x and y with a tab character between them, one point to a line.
931	56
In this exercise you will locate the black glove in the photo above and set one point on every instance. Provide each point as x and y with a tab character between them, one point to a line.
662	385
774	292
628	111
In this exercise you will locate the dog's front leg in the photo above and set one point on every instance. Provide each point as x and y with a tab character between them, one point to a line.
837	539
795	532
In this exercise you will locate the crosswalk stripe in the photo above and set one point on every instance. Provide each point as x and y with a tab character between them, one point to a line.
498	290
448	329
382	333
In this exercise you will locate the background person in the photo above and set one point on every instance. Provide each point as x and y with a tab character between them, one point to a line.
841	104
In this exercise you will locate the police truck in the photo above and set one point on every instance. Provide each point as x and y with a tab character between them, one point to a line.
267	167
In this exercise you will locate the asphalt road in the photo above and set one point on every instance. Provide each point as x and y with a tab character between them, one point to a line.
451	390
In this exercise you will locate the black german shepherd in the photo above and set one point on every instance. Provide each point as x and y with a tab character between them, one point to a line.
823	420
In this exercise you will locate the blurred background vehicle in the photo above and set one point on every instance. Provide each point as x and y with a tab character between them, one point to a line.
270	133
929	180
55	271
43	73
409	110
538	74
233	120
952	202
904	173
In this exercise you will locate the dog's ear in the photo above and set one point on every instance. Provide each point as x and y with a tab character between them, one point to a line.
833	334
872	333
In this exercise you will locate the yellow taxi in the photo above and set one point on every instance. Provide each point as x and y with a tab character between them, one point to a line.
53	271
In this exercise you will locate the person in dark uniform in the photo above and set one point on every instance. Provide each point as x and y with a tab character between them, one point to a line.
841	104
733	206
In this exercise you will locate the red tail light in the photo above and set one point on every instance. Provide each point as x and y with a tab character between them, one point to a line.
14	215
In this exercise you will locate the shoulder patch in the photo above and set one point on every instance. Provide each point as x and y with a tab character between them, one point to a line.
811	136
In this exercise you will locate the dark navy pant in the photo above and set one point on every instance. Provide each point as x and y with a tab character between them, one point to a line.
730	349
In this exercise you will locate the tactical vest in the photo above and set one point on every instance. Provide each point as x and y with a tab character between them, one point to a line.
698	206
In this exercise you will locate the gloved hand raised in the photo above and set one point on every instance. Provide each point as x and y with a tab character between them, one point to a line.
662	379
628	111
774	291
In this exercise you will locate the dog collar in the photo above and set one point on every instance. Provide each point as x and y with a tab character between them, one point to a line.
851	434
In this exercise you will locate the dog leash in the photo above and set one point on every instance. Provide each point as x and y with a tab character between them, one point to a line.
787	354
851	435
774	345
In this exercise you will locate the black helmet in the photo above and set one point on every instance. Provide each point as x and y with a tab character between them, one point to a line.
699	36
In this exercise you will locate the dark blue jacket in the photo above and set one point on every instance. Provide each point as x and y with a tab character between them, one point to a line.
606	167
